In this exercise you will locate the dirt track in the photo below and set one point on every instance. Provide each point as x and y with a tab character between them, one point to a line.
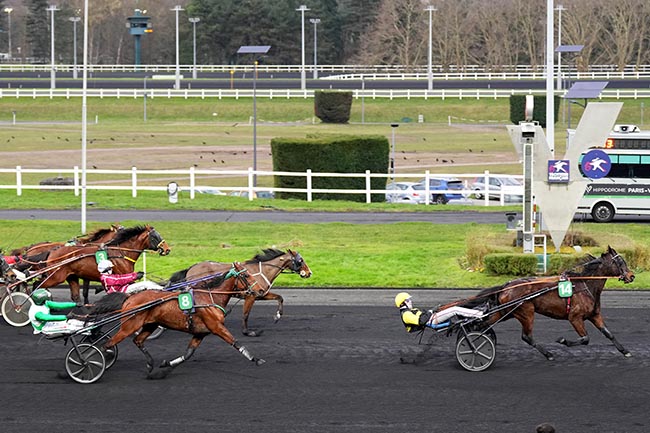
338	368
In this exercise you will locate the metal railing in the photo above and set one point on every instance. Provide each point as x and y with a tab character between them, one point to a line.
192	180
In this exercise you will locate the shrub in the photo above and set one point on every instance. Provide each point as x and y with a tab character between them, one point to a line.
333	107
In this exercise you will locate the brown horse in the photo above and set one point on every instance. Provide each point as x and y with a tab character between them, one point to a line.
69	263
205	314
523	297
266	266
97	237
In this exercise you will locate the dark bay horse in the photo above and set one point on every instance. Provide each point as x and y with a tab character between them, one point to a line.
523	297
43	249
69	263
206	316
266	266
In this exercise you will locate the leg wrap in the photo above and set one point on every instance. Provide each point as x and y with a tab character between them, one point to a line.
243	351
175	362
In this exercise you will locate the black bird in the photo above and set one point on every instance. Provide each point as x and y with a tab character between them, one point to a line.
470	150
223	162
94	166
201	157
444	160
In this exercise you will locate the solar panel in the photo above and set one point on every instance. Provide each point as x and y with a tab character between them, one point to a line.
569	48
586	89
253	49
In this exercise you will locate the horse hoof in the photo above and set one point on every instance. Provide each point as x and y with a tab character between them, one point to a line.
250	333
627	354
277	317
259	361
165	364
149	368
561	340
160	373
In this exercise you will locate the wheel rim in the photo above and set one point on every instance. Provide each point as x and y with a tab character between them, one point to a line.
85	363
110	355
475	351
15	309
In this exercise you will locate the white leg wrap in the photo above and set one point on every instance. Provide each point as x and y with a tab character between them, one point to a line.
245	352
175	362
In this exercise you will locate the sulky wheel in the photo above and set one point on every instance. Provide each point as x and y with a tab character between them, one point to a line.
475	351
110	355
15	308
85	363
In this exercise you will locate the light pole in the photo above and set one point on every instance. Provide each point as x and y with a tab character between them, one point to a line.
52	9
431	9
392	151
303	84
315	22
194	21
74	20
177	9
559	10
9	11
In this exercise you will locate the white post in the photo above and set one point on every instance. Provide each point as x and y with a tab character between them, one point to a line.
74	20
52	9
177	9
430	9
550	106
9	10
303	83
315	22
194	21
559	10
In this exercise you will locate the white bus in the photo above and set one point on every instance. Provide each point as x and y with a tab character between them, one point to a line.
625	190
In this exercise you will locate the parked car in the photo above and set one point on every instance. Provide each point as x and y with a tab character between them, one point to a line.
256	194
444	184
405	192
498	183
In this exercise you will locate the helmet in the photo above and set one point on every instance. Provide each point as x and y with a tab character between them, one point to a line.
104	266
40	296
400	298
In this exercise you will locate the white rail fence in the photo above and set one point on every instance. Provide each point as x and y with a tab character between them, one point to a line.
135	180
68	93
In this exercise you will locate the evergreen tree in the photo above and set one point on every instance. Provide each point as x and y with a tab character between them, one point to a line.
38	30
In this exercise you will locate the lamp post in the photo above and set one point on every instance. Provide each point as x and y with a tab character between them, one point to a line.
259	50
194	21
315	22
392	151
52	9
9	11
74	20
431	9
177	86
559	10
302	10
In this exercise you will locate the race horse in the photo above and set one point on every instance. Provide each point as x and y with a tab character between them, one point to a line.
69	263
266	266
96	237
206	314
524	297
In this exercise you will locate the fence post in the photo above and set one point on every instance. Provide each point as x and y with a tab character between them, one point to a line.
368	186
486	185
427	188
309	187
19	181
192	183
76	180
250	183
134	182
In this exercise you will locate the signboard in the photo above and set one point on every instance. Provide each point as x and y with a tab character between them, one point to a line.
558	170
608	189
596	164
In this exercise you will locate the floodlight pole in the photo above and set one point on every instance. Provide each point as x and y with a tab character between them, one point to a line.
255	123
315	22
303	83
74	20
9	11
177	9
550	94
559	10
431	9
84	120
194	21
52	9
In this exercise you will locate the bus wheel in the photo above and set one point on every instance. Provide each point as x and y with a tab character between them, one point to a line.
603	212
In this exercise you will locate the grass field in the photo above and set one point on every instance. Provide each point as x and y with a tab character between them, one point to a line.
181	133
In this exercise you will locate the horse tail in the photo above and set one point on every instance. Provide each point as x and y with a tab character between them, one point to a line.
178	277
37	260
489	295
110	303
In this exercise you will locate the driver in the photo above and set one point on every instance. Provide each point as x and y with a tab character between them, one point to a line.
415	319
123	283
44	321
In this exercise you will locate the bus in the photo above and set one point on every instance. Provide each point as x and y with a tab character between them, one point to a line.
625	190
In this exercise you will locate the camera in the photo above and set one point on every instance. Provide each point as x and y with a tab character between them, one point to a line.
527	132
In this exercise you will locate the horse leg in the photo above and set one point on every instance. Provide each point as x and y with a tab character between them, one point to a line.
217	327
600	324
579	326
166	367
278	314
526	316
139	340
86	290
73	281
129	326
248	305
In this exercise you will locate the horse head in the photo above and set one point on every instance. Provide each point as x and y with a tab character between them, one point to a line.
298	265
157	243
625	274
245	282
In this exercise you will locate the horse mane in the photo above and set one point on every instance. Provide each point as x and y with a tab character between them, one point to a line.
96	235
587	267
178	276
107	304
126	234
209	283
266	255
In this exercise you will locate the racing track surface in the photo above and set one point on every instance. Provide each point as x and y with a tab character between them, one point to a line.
340	361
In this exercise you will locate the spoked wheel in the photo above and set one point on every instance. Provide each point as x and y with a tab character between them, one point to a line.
110	355
85	363
475	351
15	308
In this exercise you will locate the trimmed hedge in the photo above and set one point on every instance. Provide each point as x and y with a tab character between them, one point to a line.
518	108
332	106
331	154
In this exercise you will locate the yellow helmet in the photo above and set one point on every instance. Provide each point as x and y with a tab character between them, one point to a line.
400	298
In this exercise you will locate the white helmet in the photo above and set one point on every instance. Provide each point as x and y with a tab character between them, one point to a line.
104	266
